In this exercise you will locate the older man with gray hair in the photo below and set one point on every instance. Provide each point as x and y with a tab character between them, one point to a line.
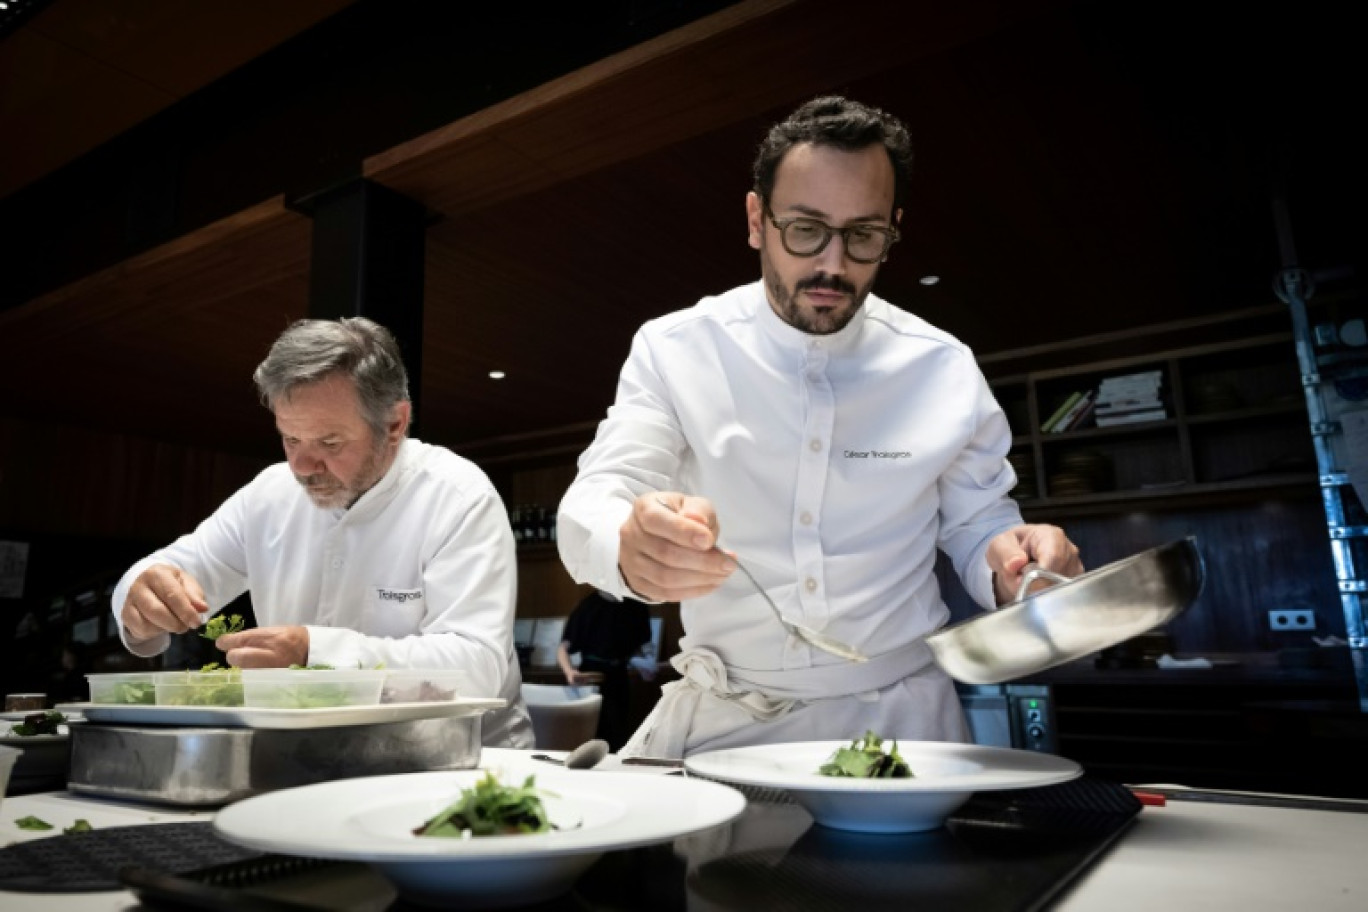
363	548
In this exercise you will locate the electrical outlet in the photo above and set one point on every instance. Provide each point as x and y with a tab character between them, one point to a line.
1301	619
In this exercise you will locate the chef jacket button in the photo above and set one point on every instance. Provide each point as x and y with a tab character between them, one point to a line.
336	562
815	445
810	584
805	518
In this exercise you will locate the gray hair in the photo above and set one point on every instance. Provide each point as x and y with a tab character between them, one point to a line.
312	350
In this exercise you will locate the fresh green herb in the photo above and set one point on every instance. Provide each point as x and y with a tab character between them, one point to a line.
210	686
490	809
32	823
80	826
219	625
319	667
43	723
866	759
135	692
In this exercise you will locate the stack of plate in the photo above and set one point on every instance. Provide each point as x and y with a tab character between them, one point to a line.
1024	466
1081	472
43	764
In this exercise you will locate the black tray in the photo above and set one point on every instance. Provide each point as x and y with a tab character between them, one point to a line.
1011	851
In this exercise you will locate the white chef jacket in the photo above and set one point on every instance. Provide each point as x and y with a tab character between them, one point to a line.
420	572
837	465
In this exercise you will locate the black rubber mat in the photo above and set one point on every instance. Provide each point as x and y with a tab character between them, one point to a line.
90	861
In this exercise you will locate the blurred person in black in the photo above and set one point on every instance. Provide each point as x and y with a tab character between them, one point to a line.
607	633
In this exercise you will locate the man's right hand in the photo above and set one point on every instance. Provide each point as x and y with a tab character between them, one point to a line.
666	551
163	599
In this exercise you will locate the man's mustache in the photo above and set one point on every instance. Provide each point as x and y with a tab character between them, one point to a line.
825	283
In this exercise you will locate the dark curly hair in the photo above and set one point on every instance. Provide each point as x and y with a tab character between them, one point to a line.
832	120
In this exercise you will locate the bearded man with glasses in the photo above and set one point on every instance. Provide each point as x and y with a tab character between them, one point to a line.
830	441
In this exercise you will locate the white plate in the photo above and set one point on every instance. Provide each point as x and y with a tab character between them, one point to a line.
944	776
371	820
7	736
254	717
44	760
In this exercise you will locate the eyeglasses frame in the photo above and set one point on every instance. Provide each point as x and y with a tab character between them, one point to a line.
891	236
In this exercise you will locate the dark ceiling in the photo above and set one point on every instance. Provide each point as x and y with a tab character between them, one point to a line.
1082	167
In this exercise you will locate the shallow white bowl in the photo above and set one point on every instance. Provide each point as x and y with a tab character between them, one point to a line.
372	820
945	775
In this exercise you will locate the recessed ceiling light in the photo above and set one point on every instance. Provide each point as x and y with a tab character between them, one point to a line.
497	375
929	279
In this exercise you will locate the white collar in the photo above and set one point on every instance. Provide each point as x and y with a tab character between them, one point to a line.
791	337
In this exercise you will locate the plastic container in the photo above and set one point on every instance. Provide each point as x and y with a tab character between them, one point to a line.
199	688
307	688
130	687
424	685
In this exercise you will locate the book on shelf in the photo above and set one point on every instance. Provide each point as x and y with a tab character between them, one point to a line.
1116	406
1125	388
1141	378
1058	413
1075	415
1130	417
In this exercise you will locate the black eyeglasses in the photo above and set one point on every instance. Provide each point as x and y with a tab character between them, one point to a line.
807	237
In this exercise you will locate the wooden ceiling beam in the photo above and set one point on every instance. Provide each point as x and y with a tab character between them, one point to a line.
734	64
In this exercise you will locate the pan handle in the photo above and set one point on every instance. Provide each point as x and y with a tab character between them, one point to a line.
1032	572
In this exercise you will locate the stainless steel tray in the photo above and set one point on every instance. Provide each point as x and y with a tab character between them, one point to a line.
211	767
262	717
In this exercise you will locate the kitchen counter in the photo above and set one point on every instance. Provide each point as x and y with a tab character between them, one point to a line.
1187	855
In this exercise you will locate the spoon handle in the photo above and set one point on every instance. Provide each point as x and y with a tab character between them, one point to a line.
758	588
820	640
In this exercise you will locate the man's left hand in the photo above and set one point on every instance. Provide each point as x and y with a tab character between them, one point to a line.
1010	552
266	647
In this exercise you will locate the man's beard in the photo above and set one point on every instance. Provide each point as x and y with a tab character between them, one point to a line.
328	492
814	322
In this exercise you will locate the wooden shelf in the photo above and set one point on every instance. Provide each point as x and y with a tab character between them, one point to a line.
1252	413
1213	444
1115	430
1187	493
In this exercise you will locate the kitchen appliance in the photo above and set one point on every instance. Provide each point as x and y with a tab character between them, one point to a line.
1011	715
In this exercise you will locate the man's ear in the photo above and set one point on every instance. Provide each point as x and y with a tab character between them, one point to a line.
755	219
399	421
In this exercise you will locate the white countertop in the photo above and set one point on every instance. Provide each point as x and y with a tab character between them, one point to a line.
1188	856
1191	856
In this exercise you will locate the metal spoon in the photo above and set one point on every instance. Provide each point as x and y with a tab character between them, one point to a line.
807	634
586	756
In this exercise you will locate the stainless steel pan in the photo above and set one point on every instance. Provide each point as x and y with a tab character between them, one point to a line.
1072	618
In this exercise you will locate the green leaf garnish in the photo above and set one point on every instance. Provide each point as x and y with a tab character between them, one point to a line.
866	759
32	823
80	826
490	809
43	723
223	687
135	692
219	625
